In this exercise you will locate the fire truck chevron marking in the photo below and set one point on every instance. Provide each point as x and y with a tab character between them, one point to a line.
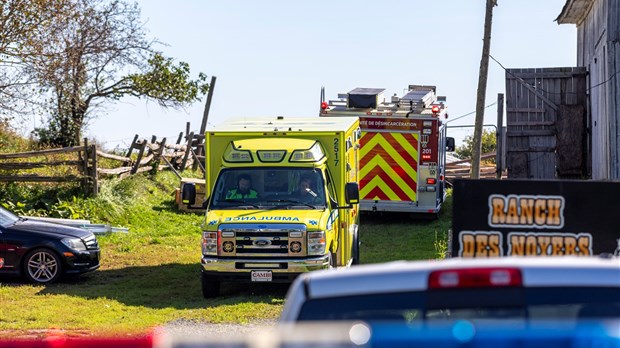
380	166
383	182
388	167
376	193
390	157
405	144
401	145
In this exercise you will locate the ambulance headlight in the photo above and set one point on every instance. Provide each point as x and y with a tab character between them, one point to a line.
316	243
209	243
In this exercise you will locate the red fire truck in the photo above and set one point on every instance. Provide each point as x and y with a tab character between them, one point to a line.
403	147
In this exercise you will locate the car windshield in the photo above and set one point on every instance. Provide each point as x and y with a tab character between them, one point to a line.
269	188
567	303
7	218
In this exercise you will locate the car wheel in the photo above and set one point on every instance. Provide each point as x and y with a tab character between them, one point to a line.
42	266
210	287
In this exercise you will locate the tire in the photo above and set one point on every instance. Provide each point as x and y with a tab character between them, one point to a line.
210	287
333	263
42	266
355	252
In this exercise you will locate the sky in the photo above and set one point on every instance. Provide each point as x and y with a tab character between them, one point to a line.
271	57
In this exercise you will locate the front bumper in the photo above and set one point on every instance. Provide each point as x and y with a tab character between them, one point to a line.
398	206
239	270
82	262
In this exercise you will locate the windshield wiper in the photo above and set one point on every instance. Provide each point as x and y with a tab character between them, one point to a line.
242	202
292	201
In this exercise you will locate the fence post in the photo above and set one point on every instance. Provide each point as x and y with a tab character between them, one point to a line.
196	153
158	155
131	148
198	163
85	173
153	141
134	170
188	149
94	173
179	138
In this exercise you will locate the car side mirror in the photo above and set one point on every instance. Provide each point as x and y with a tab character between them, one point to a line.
352	193
450	144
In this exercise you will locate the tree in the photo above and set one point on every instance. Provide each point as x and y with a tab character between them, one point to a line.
97	52
488	144
18	21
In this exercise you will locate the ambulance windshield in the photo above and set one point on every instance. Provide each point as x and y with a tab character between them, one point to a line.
268	188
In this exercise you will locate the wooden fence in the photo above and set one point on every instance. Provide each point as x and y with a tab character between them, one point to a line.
85	167
462	169
85	161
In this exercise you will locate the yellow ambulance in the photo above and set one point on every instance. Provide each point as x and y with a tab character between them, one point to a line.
281	199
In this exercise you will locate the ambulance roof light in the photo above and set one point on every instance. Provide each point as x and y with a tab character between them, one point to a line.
271	155
313	154
235	154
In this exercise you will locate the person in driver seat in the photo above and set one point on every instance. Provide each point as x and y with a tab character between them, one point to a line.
244	188
304	192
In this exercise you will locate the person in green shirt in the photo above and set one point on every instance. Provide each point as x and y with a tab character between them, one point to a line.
243	189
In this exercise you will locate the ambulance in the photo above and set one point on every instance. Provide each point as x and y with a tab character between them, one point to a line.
403	147
281	199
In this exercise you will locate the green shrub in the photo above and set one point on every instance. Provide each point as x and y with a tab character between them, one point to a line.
488	145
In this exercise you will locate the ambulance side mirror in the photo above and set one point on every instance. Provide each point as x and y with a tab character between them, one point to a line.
188	193
450	144
352	193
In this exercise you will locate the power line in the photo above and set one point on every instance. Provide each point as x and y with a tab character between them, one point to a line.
470	113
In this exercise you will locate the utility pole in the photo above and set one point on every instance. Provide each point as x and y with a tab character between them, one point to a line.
482	90
205	115
203	124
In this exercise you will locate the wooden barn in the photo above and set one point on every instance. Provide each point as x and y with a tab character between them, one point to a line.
563	122
598	50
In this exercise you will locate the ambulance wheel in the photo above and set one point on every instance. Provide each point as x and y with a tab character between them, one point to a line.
333	262
210	287
355	252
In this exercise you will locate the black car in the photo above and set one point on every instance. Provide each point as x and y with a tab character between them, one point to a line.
44	251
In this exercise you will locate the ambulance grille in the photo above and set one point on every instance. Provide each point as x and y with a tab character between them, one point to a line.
268	240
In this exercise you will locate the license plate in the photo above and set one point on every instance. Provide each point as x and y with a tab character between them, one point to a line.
261	276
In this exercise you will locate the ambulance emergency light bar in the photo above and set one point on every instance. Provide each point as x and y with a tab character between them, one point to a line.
271	155
234	154
313	154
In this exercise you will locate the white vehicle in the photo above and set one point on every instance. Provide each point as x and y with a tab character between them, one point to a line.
497	288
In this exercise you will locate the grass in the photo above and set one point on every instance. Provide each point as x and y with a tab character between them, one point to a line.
150	276
391	236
